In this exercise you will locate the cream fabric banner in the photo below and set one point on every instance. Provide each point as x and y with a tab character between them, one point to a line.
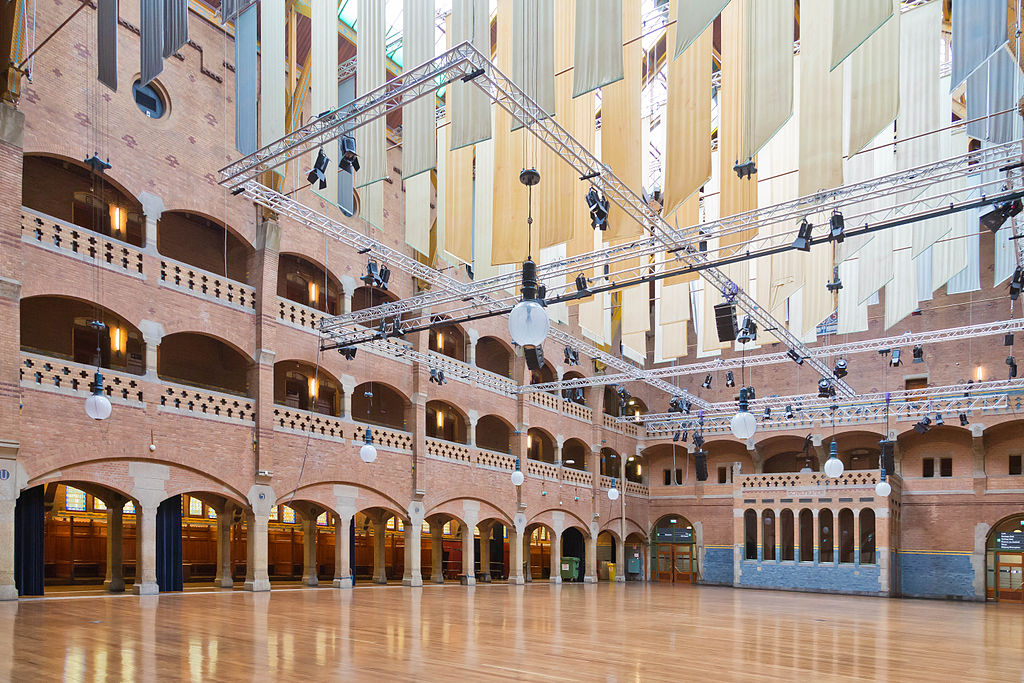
597	60
686	215
693	17
272	77
483	193
419	148
853	314
470	106
593	316
821	102
768	71
417	213
949	254
555	198
533	61
687	120
853	22
738	194
440	227
458	221
818	302
874	82
874	250
622	138
901	291
371	204
509	237
636	319
370	138
672	313
323	67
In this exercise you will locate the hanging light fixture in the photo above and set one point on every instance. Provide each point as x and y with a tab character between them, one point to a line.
97	406
613	493
528	322
517	475
883	488
318	174
833	466
368	453
743	424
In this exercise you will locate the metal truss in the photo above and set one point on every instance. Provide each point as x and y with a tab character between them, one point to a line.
949	402
831	351
451	367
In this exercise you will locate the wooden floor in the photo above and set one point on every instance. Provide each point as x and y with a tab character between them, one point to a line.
605	632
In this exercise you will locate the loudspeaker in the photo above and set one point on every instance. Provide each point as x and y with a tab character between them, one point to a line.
534	357
700	460
725	319
888	459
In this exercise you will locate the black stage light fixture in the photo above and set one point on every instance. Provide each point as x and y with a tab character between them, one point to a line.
730	379
789	412
750	392
840	369
437	376
572	356
748	331
534	357
745	170
767	413
1008	339
372	275
347	352
581	283
836	284
318	174
994	219
677	435
579	396
97	165
938	420
918	354
707	382
1012	363
795	356
349	159
836	226
385	276
923	425
963	420
803	236
675	405
825	388
894	359
700	461
598	206
687	407
698	439
623	395
1016	283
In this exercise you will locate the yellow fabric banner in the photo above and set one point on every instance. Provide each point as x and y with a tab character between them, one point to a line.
737	194
768	78
821	102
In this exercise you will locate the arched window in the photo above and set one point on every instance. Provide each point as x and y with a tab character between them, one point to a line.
768	534
846	539
786	535
826	536
750	535
806	553
867	536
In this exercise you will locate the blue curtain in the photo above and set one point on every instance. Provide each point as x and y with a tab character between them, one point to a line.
168	545
29	519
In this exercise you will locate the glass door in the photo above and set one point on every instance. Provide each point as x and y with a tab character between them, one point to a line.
663	563
1010	577
682	564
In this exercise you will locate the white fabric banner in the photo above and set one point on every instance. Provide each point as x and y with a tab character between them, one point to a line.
874	82
901	290
419	148
820	102
370	137
323	71
768	72
470	106
853	314
597	53
979	29
533	60
417	213
693	16
272	65
853	22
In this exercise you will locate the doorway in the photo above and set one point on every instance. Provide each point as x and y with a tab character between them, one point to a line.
673	551
1004	561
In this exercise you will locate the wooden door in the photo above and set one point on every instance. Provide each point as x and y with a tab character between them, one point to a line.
682	564
1010	577
663	563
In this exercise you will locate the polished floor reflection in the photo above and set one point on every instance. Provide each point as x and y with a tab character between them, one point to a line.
573	632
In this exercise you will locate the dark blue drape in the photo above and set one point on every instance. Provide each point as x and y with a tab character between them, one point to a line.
168	545
29	519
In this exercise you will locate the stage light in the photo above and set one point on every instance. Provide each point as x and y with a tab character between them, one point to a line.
349	159
836	226
598	206
748	331
348	352
750	393
1012	363
825	388
376	275
675	405
789	412
938	420
572	356
623	395
581	283
803	236
836	284
767	413
923	425
1016	283
707	382
687	407
894	359
318	174
745	170
840	369
730	380
918	354
795	356
963	420
437	376
677	435
994	219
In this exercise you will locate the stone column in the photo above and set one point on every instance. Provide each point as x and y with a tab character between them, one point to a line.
342	549
153	208
820	451
590	576
472	418
348	287
755	457
556	557
257	524
978	450
225	518
468	556
114	582
380	571
472	337
145	549
348	386
620	560
309	564
527	557
264	271
436	551
413	575
760	535
152	334
486	530
816	549
515	549
559	442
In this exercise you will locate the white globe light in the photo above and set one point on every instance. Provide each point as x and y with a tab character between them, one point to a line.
517	478
613	494
883	489
528	323
834	467
97	406
743	425
368	453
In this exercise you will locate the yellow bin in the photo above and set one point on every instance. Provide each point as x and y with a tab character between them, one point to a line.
611	571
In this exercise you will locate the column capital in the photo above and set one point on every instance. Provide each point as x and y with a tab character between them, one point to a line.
152	332
261	498
977	430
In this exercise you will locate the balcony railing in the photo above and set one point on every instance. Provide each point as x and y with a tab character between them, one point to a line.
449	450
206	285
544	470
74	379
204	403
610	422
637	489
578	477
809	480
545	400
495	460
299	315
71	240
578	411
386	437
305	422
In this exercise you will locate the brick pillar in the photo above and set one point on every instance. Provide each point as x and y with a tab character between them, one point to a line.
556	557
436	551
225	569
309	564
261	376
12	125
114	581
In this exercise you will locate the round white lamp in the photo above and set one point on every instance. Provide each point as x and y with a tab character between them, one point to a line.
517	475
368	453
833	466
97	406
743	424
613	493
528	322
883	488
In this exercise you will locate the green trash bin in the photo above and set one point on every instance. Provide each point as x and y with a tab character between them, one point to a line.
569	566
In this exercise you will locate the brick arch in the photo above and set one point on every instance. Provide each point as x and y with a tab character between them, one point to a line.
108	177
210	217
243	341
323	494
117	475
632	527
63	288
546	518
453	508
